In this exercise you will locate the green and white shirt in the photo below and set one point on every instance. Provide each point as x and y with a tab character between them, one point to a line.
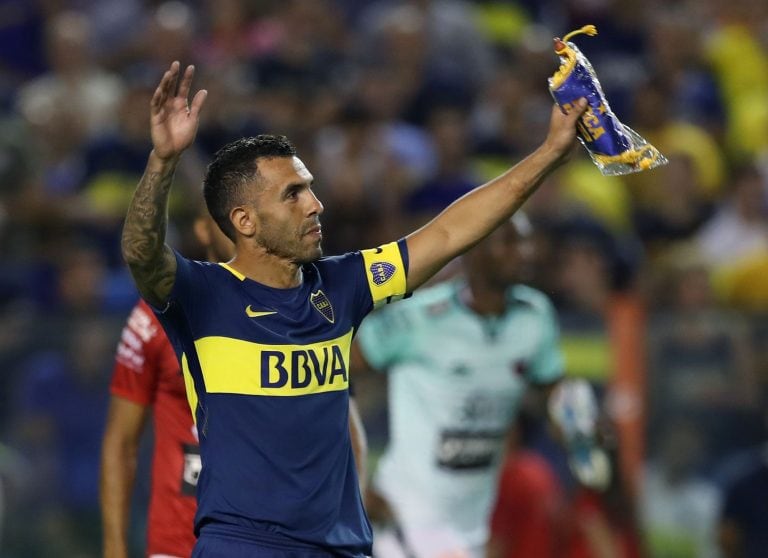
456	382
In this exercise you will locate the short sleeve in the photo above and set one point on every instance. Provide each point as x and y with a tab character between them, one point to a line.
137	367
547	365
190	286
184	283
386	269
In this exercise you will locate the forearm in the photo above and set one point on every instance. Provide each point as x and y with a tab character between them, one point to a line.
151	262
118	471
469	219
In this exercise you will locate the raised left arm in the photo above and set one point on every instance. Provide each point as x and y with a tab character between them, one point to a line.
474	216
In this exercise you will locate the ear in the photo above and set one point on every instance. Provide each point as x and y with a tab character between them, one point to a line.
244	220
202	232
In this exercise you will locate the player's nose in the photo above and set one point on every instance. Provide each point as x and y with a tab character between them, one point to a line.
316	207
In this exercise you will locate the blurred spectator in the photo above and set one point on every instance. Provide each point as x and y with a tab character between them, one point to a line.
307	51
655	119
433	46
57	426
676	54
21	45
678	506
739	56
583	192
678	211
743	520
453	176
365	170
735	241
701	363
74	86
233	35
739	228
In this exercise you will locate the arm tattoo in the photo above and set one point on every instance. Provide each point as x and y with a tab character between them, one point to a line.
152	263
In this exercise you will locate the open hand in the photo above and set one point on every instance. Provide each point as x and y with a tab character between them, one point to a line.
173	121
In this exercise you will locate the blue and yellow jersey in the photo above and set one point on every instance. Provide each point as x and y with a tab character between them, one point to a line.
267	374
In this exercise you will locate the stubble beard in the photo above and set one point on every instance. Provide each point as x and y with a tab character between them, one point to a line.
294	251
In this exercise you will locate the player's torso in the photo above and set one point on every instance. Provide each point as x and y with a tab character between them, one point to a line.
254	340
451	404
467	377
270	370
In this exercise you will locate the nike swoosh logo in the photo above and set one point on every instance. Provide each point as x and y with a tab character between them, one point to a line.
256	314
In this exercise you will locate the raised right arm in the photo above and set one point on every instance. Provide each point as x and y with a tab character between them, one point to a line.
173	123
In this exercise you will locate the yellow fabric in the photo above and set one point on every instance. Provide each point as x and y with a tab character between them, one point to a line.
681	138
501	23
743	285
189	386
110	193
606	197
236	366
691	140
384	284
233	271
587	355
741	66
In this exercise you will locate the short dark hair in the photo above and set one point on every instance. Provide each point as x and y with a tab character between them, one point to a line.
233	166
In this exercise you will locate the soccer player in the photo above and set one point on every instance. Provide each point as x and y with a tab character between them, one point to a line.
147	378
264	340
460	356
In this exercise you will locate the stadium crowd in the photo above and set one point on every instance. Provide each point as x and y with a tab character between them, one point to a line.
399	107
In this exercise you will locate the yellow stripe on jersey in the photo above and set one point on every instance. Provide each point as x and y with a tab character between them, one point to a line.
189	386
236	366
233	271
385	271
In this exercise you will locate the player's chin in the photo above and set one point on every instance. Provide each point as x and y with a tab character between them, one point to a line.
312	254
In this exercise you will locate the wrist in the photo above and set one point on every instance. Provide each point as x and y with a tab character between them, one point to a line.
551	156
168	161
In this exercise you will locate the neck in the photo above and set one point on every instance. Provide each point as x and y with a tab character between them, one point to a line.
484	299
267	268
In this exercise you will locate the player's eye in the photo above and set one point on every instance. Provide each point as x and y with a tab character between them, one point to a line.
292	194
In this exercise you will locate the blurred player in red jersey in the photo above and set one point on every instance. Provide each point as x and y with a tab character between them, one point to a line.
528	519
147	378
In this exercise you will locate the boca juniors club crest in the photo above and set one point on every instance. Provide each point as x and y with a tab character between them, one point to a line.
322	305
382	272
